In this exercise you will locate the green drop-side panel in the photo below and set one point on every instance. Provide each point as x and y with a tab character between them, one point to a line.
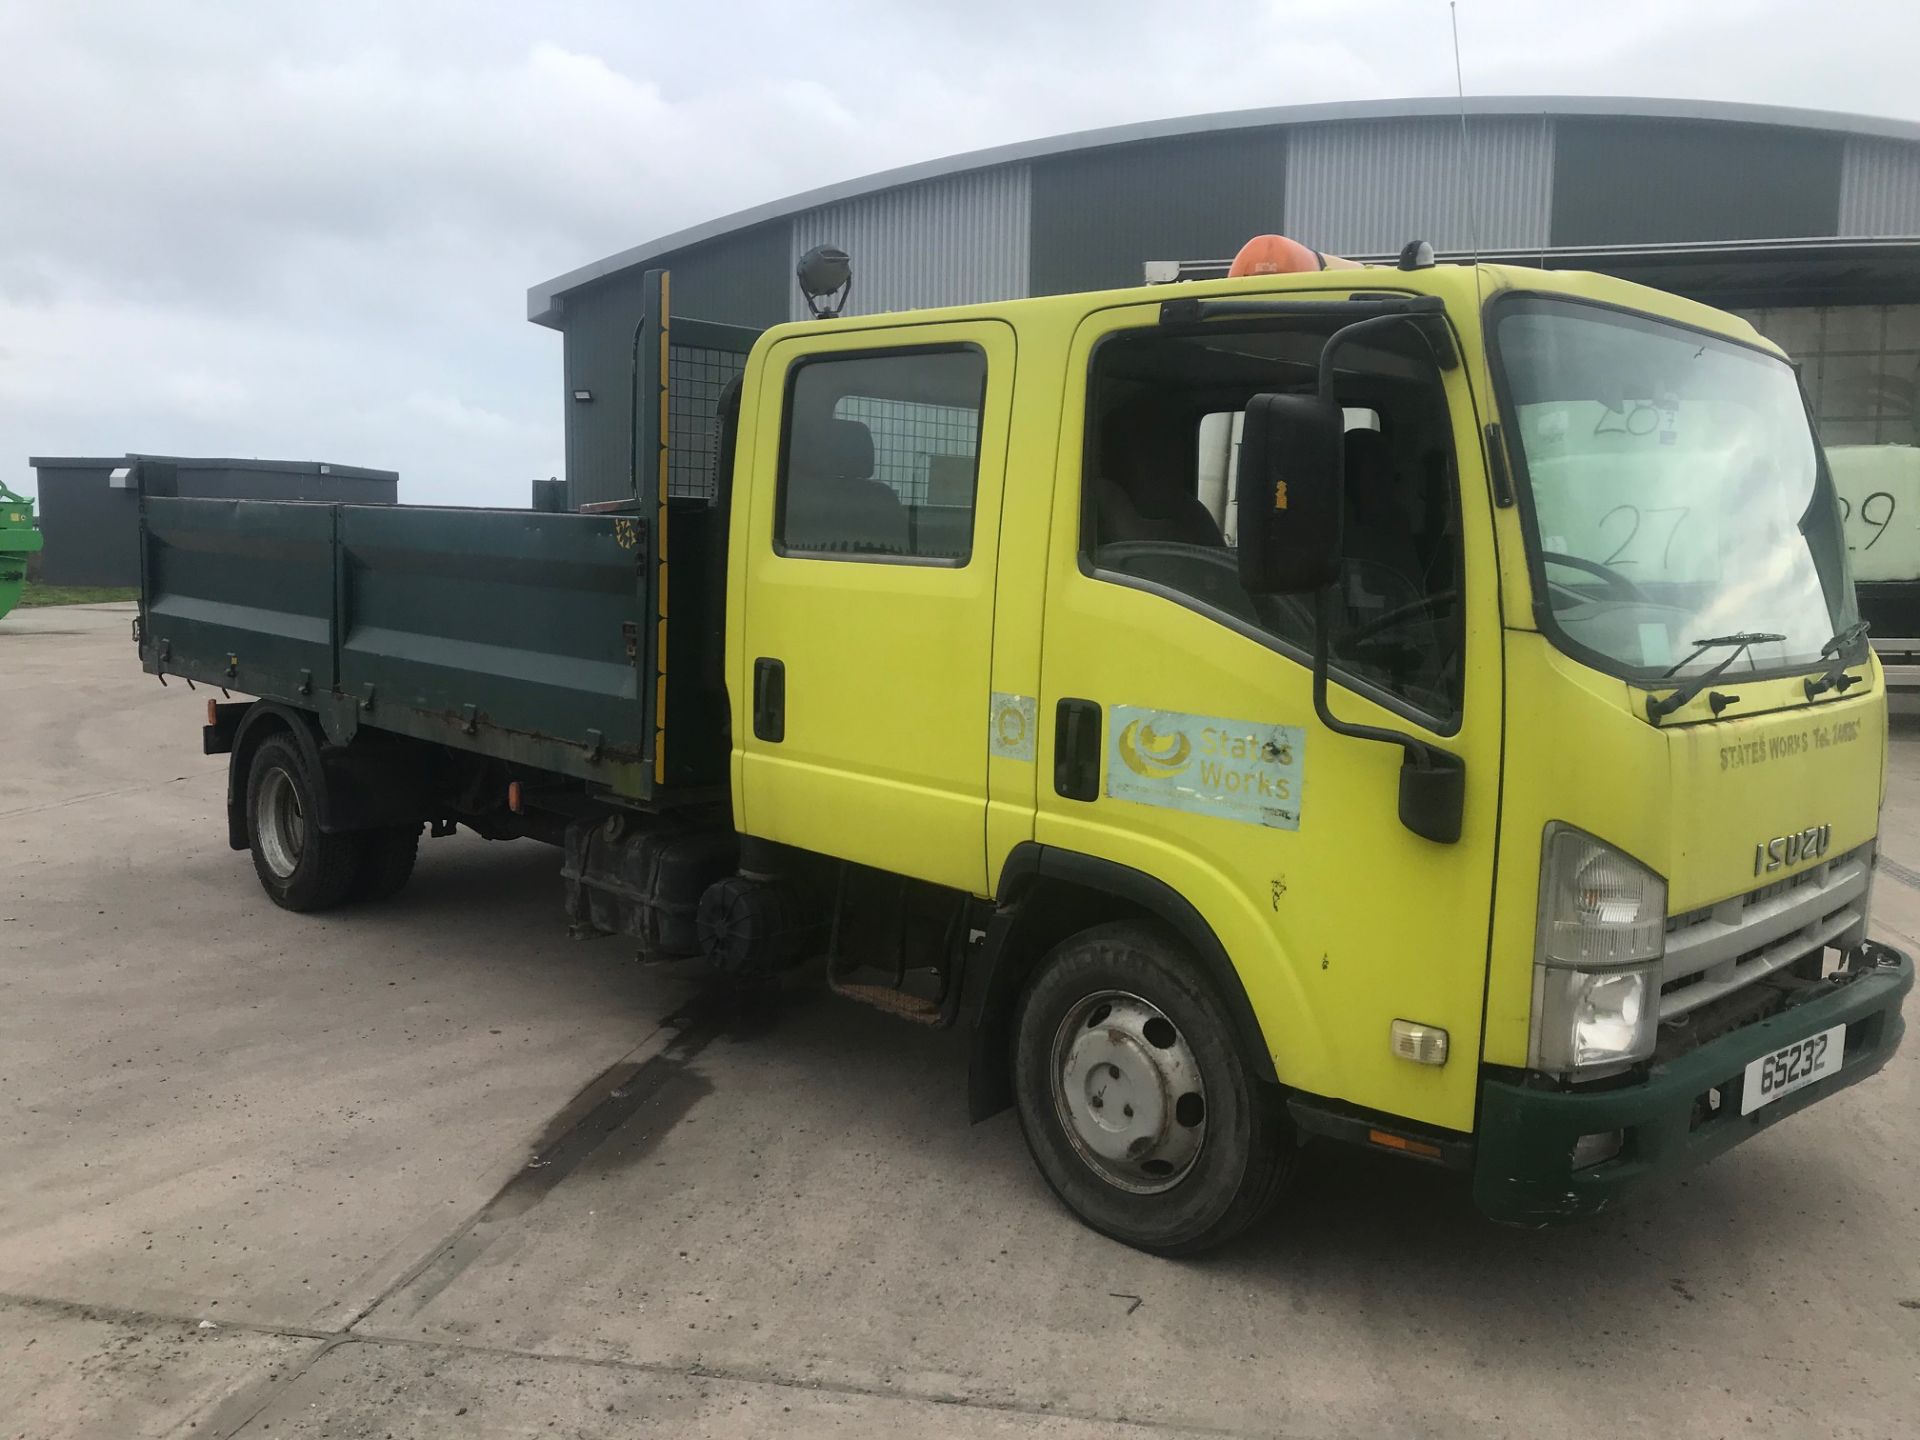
525	617
505	632
539	638
239	593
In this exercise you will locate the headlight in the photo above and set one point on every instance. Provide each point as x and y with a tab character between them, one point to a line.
1588	1019
1601	932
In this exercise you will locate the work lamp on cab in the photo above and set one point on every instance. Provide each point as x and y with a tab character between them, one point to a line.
826	278
1601	934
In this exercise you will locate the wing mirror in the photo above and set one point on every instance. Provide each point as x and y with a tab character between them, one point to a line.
1292	459
1291	497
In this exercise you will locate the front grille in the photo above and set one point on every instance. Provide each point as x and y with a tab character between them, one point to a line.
1715	952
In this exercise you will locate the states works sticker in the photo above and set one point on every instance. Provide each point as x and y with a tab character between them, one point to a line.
1010	726
1243	770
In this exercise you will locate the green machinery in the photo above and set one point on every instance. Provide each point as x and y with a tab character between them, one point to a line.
18	539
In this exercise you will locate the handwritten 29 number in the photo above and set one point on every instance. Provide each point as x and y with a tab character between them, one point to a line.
1867	516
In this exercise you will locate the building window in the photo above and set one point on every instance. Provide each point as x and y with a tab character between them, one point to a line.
880	456
1860	365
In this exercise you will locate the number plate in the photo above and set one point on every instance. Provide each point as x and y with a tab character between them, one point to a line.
1785	1071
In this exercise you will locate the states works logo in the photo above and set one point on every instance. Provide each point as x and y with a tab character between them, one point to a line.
1246	770
1010	726
1147	752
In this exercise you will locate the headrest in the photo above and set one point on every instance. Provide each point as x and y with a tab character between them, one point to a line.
1145	454
1371	486
1369	459
839	449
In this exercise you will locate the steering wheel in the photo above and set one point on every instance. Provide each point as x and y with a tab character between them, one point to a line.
1212	574
1400	615
1149	559
1614	579
1207	572
1119	552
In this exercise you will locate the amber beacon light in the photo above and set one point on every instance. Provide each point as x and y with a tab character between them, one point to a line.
1279	255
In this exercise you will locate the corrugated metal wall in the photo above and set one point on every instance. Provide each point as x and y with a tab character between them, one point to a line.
1368	188
742	279
1879	188
1098	215
947	242
1649	182
600	322
1088	219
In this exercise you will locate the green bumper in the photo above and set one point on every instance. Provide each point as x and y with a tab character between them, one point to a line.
1523	1167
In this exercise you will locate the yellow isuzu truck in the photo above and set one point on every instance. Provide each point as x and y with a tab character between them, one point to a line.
1292	706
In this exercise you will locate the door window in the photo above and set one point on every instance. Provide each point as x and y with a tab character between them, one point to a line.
879	456
1162	455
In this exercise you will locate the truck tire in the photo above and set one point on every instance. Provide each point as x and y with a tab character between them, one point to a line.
300	866
386	862
1134	1098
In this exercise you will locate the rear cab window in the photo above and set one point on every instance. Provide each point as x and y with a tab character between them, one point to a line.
879	456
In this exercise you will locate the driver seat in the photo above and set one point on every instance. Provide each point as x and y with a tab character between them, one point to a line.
1378	530
1382	573
1146	490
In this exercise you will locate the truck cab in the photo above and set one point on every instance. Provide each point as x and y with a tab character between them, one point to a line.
1575	838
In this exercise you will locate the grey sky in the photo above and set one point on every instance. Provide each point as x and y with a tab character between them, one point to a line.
306	231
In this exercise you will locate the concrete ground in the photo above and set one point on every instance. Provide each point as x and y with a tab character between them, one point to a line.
434	1169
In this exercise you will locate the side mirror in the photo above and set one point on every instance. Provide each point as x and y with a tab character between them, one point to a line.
1292	459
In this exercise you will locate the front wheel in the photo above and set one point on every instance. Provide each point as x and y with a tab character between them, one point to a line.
1134	1097
301	866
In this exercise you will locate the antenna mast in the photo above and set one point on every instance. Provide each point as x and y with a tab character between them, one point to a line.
1466	153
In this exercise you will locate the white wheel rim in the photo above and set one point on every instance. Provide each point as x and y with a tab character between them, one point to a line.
1128	1092
279	823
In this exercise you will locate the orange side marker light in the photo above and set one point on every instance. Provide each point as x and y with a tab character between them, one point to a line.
1402	1143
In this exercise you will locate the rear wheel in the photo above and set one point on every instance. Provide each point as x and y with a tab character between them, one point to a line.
301	867
386	861
1135	1100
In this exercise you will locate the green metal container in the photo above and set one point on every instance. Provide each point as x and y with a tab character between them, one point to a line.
18	539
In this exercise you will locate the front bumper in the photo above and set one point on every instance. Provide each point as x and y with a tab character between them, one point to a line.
1523	1169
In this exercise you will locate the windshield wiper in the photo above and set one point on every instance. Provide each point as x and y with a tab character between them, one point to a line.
1835	676
1739	640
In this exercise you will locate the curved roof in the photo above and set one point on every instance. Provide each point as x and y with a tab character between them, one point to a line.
541	299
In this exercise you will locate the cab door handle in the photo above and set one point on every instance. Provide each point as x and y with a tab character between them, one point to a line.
1076	749
769	700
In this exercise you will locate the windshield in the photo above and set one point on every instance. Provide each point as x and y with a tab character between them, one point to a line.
1676	494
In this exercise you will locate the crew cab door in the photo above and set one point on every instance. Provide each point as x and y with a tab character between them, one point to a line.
1177	726
866	589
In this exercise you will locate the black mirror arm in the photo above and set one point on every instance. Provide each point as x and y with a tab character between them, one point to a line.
1419	753
1432	781
1348	333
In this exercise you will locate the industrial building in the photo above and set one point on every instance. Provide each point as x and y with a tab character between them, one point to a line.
1806	221
90	508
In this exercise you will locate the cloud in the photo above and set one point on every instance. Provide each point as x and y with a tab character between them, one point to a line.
307	232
